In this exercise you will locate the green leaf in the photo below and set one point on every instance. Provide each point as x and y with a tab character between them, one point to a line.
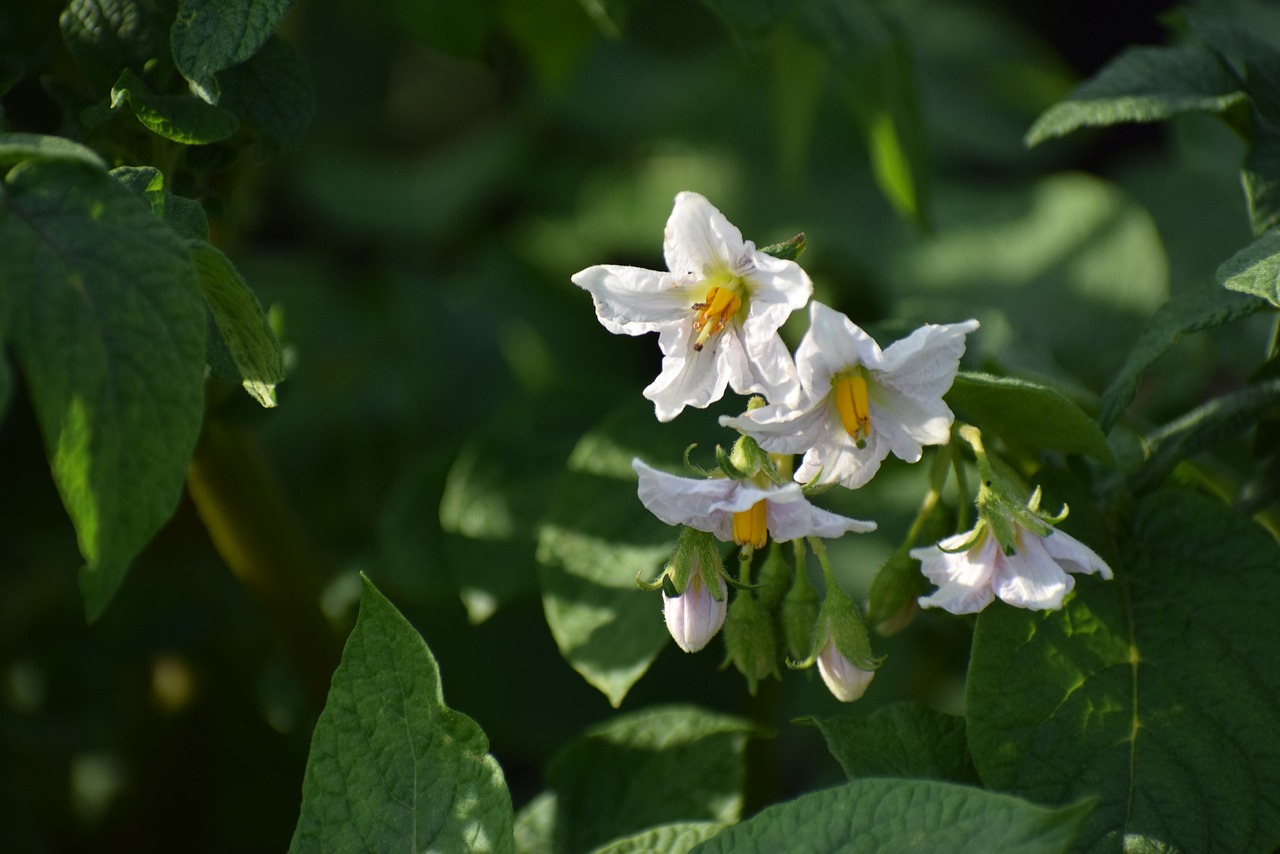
657	766
273	93
1261	175
1252	62
391	767
185	216
493	500
1027	414
1190	312
1142	84
678	838
241	323
110	335
108	36
1255	269
17	147
878	815
209	36
1206	426
902	740
1155	692
182	118
596	539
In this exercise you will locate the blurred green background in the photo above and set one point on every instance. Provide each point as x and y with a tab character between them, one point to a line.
463	162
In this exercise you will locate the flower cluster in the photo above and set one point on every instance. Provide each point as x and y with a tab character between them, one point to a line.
843	403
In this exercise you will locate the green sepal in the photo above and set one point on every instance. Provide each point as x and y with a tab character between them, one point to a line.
775	579
800	608
841	622
692	467
695	551
751	641
787	250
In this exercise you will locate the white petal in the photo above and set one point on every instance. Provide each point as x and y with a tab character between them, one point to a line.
698	239
689	377
790	516
963	578
694	617
833	343
1030	578
844	680
696	502
924	364
773	371
907	423
839	459
776	288
633	301
1074	556
779	427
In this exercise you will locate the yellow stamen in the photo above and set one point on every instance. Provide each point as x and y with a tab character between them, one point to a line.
750	526
720	307
851	401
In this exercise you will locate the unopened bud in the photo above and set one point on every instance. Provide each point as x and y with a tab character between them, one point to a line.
846	681
799	617
751	640
694	616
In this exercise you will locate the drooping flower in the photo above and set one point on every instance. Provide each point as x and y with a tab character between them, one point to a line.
1014	552
717	310
695	615
1034	574
860	403
740	511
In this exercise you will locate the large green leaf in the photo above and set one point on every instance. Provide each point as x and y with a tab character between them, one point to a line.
597	538
392	768
1155	692
241	323
901	740
1255	269
272	92
185	216
109	330
880	815
182	118
1196	311
108	36
17	147
209	36
678	838
1027	414
1260	174
1142	84
648	768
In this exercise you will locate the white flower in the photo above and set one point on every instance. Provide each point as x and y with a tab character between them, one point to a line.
1033	575
739	510
694	617
846	681
860	403
717	311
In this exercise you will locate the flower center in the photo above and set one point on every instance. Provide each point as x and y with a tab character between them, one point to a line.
850	390
750	526
719	306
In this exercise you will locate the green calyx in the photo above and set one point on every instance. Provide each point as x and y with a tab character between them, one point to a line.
1001	509
695	552
840	621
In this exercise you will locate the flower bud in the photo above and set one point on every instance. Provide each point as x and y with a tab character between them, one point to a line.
799	616
695	615
751	640
846	681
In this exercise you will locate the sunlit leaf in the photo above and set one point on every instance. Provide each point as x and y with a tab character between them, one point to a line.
209	36
110	334
183	215
876	815
651	767
1255	269
391	766
1027	414
241	323
902	740
1154	692
678	838
1142	84
182	118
